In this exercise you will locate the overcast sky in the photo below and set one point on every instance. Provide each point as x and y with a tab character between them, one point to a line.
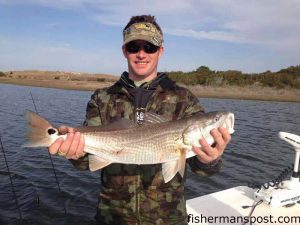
86	35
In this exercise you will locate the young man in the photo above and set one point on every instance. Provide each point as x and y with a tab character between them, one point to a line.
137	194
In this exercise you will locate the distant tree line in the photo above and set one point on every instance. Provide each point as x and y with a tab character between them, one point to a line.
285	78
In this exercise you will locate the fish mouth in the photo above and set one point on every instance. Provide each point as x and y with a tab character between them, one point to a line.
229	123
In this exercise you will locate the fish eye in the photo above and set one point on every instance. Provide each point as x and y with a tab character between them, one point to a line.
217	118
51	131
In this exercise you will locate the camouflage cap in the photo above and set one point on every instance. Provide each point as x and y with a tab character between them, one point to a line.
143	31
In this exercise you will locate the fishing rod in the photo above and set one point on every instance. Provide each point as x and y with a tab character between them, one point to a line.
11	182
51	160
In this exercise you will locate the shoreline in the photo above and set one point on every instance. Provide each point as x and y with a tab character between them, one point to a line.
228	92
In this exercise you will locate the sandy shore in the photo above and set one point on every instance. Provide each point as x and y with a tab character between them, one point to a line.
248	93
92	82
60	84
59	79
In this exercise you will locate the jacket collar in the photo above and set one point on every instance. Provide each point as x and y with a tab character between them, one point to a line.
161	83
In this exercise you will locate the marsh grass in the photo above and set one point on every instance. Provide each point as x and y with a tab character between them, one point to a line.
90	82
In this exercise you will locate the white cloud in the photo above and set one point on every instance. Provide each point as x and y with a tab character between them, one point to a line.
21	54
212	35
272	25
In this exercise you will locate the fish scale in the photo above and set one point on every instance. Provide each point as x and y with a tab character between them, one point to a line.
140	151
169	143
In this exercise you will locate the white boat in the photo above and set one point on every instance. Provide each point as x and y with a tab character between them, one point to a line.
274	203
226	207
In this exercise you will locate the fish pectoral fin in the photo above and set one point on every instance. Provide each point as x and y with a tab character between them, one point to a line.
181	162
97	163
169	169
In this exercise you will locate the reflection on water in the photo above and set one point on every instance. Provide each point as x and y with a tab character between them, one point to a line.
255	154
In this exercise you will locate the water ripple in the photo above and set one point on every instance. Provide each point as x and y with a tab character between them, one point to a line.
255	154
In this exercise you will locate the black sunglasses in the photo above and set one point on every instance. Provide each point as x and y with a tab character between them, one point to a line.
134	47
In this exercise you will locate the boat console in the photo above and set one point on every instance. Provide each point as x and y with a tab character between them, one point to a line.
283	192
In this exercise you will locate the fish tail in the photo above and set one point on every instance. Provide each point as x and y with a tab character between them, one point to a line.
39	131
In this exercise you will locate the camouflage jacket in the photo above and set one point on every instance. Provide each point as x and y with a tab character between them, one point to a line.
137	194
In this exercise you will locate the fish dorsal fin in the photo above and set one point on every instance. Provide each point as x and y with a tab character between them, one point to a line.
97	163
169	169
153	118
120	124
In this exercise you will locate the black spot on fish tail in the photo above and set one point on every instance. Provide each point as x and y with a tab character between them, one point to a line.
51	131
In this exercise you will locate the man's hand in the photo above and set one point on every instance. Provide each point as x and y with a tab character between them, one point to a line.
72	147
207	153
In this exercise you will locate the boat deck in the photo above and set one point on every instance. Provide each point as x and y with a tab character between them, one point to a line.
225	207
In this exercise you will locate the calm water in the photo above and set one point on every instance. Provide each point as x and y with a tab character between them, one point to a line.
254	155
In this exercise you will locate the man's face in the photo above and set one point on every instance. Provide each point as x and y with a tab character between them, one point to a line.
142	61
